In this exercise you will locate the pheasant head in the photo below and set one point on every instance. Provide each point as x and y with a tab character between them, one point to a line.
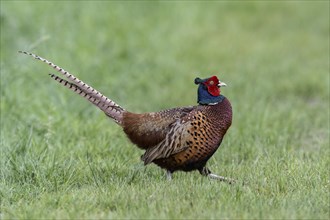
209	90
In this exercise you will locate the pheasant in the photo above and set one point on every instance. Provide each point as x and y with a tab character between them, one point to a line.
182	138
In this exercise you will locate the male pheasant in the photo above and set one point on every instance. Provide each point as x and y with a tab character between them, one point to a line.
182	138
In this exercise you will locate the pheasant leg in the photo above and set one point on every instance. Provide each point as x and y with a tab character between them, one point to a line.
168	175
206	172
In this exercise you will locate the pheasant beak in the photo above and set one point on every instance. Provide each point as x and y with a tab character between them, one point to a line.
221	84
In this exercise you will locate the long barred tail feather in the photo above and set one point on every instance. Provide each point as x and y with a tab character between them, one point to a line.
109	107
112	111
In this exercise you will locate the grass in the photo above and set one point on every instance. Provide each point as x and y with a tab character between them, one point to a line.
62	158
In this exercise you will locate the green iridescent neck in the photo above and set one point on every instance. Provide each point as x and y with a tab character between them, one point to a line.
211	100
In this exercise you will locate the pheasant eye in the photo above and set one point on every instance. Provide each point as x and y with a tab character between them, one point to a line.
211	83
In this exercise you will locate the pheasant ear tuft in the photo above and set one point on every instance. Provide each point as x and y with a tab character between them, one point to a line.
198	80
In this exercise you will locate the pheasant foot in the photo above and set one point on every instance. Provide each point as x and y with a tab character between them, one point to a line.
206	172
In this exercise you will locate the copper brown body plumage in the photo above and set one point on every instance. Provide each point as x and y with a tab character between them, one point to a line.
181	138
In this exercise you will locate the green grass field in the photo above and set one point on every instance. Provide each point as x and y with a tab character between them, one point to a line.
62	158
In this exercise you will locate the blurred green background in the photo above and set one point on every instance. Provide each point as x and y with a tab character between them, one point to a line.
61	158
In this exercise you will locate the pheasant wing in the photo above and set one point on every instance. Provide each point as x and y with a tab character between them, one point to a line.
174	142
149	129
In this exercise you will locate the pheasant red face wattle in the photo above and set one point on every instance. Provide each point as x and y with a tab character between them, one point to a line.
212	85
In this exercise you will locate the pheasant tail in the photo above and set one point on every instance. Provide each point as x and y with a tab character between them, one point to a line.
109	107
